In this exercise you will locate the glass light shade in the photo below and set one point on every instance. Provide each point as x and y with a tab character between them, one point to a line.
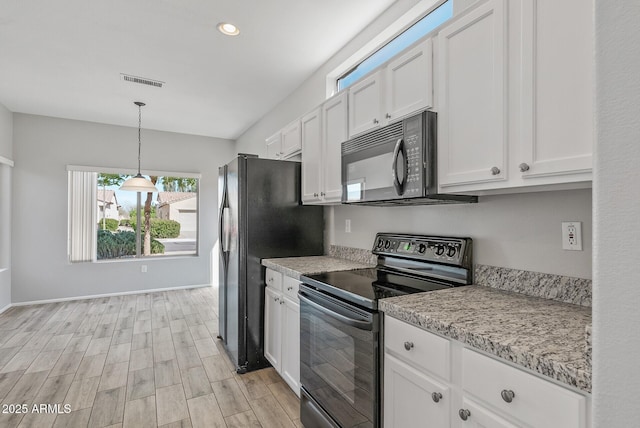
138	184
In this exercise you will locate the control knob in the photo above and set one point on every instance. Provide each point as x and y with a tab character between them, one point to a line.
439	250
380	243
451	251
387	244
422	248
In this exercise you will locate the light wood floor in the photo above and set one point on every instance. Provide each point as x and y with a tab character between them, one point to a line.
147	360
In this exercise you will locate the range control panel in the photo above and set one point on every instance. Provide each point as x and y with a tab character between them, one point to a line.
455	251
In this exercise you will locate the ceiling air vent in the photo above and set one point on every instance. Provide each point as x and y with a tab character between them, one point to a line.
141	80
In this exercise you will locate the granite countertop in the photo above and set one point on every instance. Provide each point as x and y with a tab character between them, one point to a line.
542	335
297	266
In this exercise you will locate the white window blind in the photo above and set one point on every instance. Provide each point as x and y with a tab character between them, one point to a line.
82	216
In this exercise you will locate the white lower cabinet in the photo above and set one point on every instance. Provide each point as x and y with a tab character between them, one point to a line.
411	398
460	387
282	327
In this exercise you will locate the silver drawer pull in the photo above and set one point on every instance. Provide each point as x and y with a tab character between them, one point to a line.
408	345
436	397
289	288
464	414
495	170
508	395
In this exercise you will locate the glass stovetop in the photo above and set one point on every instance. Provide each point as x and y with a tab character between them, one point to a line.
365	286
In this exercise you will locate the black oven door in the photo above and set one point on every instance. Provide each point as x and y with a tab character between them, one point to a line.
338	362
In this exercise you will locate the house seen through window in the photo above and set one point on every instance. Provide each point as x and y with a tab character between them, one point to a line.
107	223
428	23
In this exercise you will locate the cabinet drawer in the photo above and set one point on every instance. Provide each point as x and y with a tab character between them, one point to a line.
290	287
418	347
273	279
536	402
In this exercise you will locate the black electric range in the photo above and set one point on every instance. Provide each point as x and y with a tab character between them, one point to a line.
340	324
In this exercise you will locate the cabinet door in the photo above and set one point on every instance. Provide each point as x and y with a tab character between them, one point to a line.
409	399
365	104
557	87
291	139
291	344
274	146
409	82
311	129
272	327
480	417
334	113
472	115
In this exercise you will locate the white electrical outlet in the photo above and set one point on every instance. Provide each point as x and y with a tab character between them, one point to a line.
572	235
347	226
143	268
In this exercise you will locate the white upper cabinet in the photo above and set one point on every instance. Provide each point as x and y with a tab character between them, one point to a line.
557	89
409	82
291	139
323	131
472	110
365	104
401	87
516	97
334	114
311	126
274	146
285	143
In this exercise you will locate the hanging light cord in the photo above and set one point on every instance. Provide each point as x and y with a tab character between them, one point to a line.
139	104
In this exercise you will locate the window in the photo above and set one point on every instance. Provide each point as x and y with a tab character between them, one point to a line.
436	17
106	223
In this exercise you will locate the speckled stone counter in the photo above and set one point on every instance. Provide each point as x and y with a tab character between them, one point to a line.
298	266
542	335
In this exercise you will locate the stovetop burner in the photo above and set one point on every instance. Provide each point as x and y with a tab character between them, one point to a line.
406	264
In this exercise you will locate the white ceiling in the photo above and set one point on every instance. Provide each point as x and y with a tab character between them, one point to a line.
63	58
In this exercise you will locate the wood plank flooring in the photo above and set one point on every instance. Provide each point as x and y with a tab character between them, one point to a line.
146	360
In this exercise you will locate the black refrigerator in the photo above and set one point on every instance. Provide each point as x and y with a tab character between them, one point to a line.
261	216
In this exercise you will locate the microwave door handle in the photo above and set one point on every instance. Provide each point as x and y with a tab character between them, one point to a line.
399	185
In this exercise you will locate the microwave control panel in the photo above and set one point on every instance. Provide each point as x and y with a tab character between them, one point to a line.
413	138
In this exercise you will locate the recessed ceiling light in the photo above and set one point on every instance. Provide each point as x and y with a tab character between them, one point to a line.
228	29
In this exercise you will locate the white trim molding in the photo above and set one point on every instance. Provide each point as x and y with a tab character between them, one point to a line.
126	171
98	296
6	161
5	308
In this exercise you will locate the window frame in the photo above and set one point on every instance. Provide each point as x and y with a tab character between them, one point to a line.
391	32
125	171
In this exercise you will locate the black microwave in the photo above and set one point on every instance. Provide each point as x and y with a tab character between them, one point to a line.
395	165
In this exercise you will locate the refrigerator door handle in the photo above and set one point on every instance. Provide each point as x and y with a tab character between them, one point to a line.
225	232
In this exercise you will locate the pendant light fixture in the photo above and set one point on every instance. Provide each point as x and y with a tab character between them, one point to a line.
139	183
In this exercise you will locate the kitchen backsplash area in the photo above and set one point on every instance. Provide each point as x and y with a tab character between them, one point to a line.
354	254
567	289
576	291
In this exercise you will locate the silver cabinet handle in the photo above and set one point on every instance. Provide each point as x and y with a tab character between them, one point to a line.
289	288
495	170
322	193
315	195
464	414
508	395
282	301
388	116
408	345
270	280
436	397
275	299
375	121
523	167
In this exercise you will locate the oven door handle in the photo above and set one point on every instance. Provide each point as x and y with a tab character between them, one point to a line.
332	312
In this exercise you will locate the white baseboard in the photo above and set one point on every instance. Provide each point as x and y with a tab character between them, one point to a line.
5	308
98	296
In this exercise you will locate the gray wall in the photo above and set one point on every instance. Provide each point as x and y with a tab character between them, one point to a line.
517	231
6	145
520	231
43	146
616	378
